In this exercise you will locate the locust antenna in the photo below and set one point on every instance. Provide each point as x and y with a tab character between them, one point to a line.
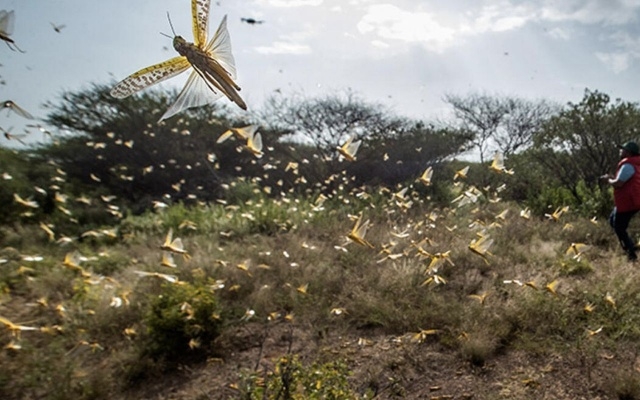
170	24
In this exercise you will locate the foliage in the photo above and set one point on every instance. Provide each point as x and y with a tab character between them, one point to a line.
182	322
21	171
118	143
625	384
290	379
393	150
270	249
395	159
579	144
326	122
584	200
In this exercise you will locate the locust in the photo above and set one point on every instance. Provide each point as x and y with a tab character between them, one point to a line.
7	21
214	70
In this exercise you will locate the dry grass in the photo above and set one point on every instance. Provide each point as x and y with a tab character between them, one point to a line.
281	262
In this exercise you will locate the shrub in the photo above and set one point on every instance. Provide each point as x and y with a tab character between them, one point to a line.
625	385
182	322
290	379
477	349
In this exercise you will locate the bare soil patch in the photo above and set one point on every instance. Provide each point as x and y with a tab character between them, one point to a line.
393	367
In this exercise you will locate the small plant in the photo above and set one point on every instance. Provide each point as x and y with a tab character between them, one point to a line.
182	321
290	379
477	349
575	267
626	385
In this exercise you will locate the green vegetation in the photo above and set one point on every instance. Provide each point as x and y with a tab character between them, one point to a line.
290	379
99	301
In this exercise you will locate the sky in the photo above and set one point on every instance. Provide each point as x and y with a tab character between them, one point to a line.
405	55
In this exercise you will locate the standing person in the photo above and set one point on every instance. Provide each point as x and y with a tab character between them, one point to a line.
626	195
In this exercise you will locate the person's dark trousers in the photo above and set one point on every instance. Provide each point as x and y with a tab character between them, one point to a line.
619	221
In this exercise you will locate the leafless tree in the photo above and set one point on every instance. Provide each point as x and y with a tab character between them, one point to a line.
504	123
326	122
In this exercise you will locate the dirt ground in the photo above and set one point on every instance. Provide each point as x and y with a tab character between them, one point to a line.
394	368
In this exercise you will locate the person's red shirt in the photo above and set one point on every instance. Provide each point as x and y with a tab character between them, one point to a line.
627	197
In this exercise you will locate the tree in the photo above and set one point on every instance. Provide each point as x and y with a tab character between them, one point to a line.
580	142
523	119
404	156
326	122
393	148
504	123
118	144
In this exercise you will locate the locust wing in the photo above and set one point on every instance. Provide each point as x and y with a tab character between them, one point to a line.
150	76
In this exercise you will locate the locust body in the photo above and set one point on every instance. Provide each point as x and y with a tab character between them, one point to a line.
210	70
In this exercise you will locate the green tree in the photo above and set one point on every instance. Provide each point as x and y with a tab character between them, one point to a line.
406	154
580	142
393	148
118	144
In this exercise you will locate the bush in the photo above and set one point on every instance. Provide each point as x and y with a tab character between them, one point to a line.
625	385
182	322
292	380
584	200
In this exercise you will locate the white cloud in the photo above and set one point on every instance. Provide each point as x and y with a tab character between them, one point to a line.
284	48
439	31
591	11
392	23
497	18
508	23
627	50
380	44
617	62
560	33
288	3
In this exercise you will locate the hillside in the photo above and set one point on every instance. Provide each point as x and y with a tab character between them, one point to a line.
410	312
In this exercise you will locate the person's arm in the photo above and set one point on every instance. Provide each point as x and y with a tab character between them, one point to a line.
624	174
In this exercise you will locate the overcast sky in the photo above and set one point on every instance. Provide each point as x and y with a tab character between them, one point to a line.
405	54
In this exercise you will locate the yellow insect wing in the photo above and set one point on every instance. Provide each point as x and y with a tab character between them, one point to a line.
498	162
200	21
359	231
594	332
479	297
167	240
552	287
219	49
609	299
254	144
49	232
303	288
27	203
72	260
213	67
349	149
481	246
225	136
167	260
462	173
426	176
149	76
177	246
